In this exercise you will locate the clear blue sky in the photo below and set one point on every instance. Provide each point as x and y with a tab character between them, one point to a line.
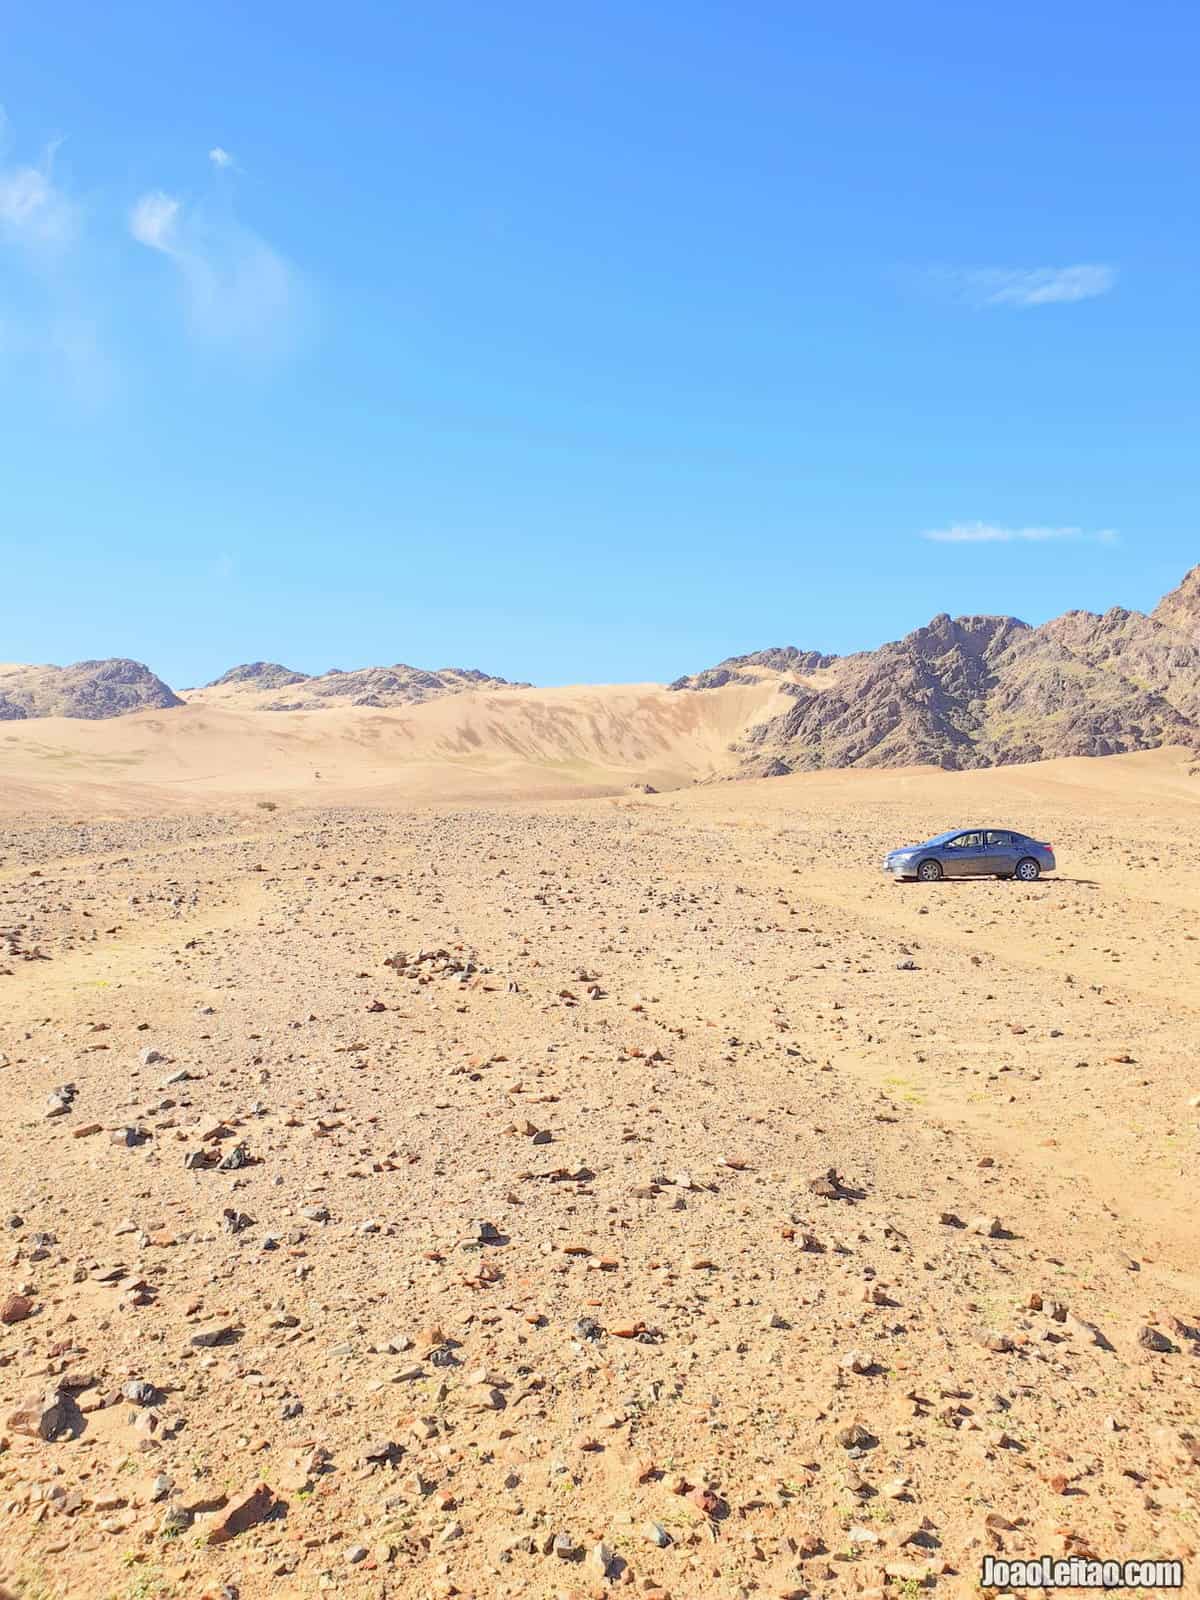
587	341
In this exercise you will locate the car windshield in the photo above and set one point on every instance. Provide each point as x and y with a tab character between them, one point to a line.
943	838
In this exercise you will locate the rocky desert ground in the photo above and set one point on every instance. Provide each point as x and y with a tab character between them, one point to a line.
620	1193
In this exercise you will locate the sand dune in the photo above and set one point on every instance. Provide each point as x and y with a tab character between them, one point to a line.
520	744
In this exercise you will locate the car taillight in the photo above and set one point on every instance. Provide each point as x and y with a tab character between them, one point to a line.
1047	847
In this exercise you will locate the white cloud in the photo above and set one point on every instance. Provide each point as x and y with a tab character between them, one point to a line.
236	287
220	158
152	220
1024	287
989	533
33	209
52	334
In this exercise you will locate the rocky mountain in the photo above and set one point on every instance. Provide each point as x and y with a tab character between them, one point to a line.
982	691
89	689
267	686
259	675
742	669
1181	608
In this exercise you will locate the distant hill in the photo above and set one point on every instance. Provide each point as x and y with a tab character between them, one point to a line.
266	686
89	689
981	691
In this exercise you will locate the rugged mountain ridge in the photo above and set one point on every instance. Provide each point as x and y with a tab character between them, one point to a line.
89	689
267	686
982	691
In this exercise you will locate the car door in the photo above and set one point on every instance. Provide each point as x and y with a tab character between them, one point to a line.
960	856
999	853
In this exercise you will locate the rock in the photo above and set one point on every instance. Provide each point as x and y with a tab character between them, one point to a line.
656	1534
217	1333
565	1548
40	1418
855	1361
989	1227
175	1520
601	1558
1150	1339
998	1343
855	1437
248	1509
149	1056
357	1552
139	1392
16	1308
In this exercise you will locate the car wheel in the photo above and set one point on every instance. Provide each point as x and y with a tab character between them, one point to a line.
1028	870
929	871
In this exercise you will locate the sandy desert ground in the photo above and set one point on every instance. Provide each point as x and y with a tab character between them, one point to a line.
584	1192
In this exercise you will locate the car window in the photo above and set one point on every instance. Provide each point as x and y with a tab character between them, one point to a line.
966	841
999	838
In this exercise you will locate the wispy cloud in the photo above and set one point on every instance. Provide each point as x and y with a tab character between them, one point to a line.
221	158
990	533
237	288
34	211
152	220
52	330
1027	287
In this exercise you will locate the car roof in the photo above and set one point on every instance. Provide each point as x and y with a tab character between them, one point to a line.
971	827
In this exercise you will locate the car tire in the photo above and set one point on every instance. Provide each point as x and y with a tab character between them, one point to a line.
1027	870
929	872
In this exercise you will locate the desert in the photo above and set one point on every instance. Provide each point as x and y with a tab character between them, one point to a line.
496	1147
599	798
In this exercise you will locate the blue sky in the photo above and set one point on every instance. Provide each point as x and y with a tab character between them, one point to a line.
587	342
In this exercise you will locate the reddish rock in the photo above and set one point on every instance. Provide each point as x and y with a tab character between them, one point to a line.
247	1511
16	1308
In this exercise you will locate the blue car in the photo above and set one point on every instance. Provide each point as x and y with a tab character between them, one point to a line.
972	853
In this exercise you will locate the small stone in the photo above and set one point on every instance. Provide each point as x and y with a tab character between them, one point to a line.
40	1418
855	1437
357	1553
218	1333
139	1392
998	1343
600	1559
989	1227
247	1510
1150	1339
656	1534
16	1308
